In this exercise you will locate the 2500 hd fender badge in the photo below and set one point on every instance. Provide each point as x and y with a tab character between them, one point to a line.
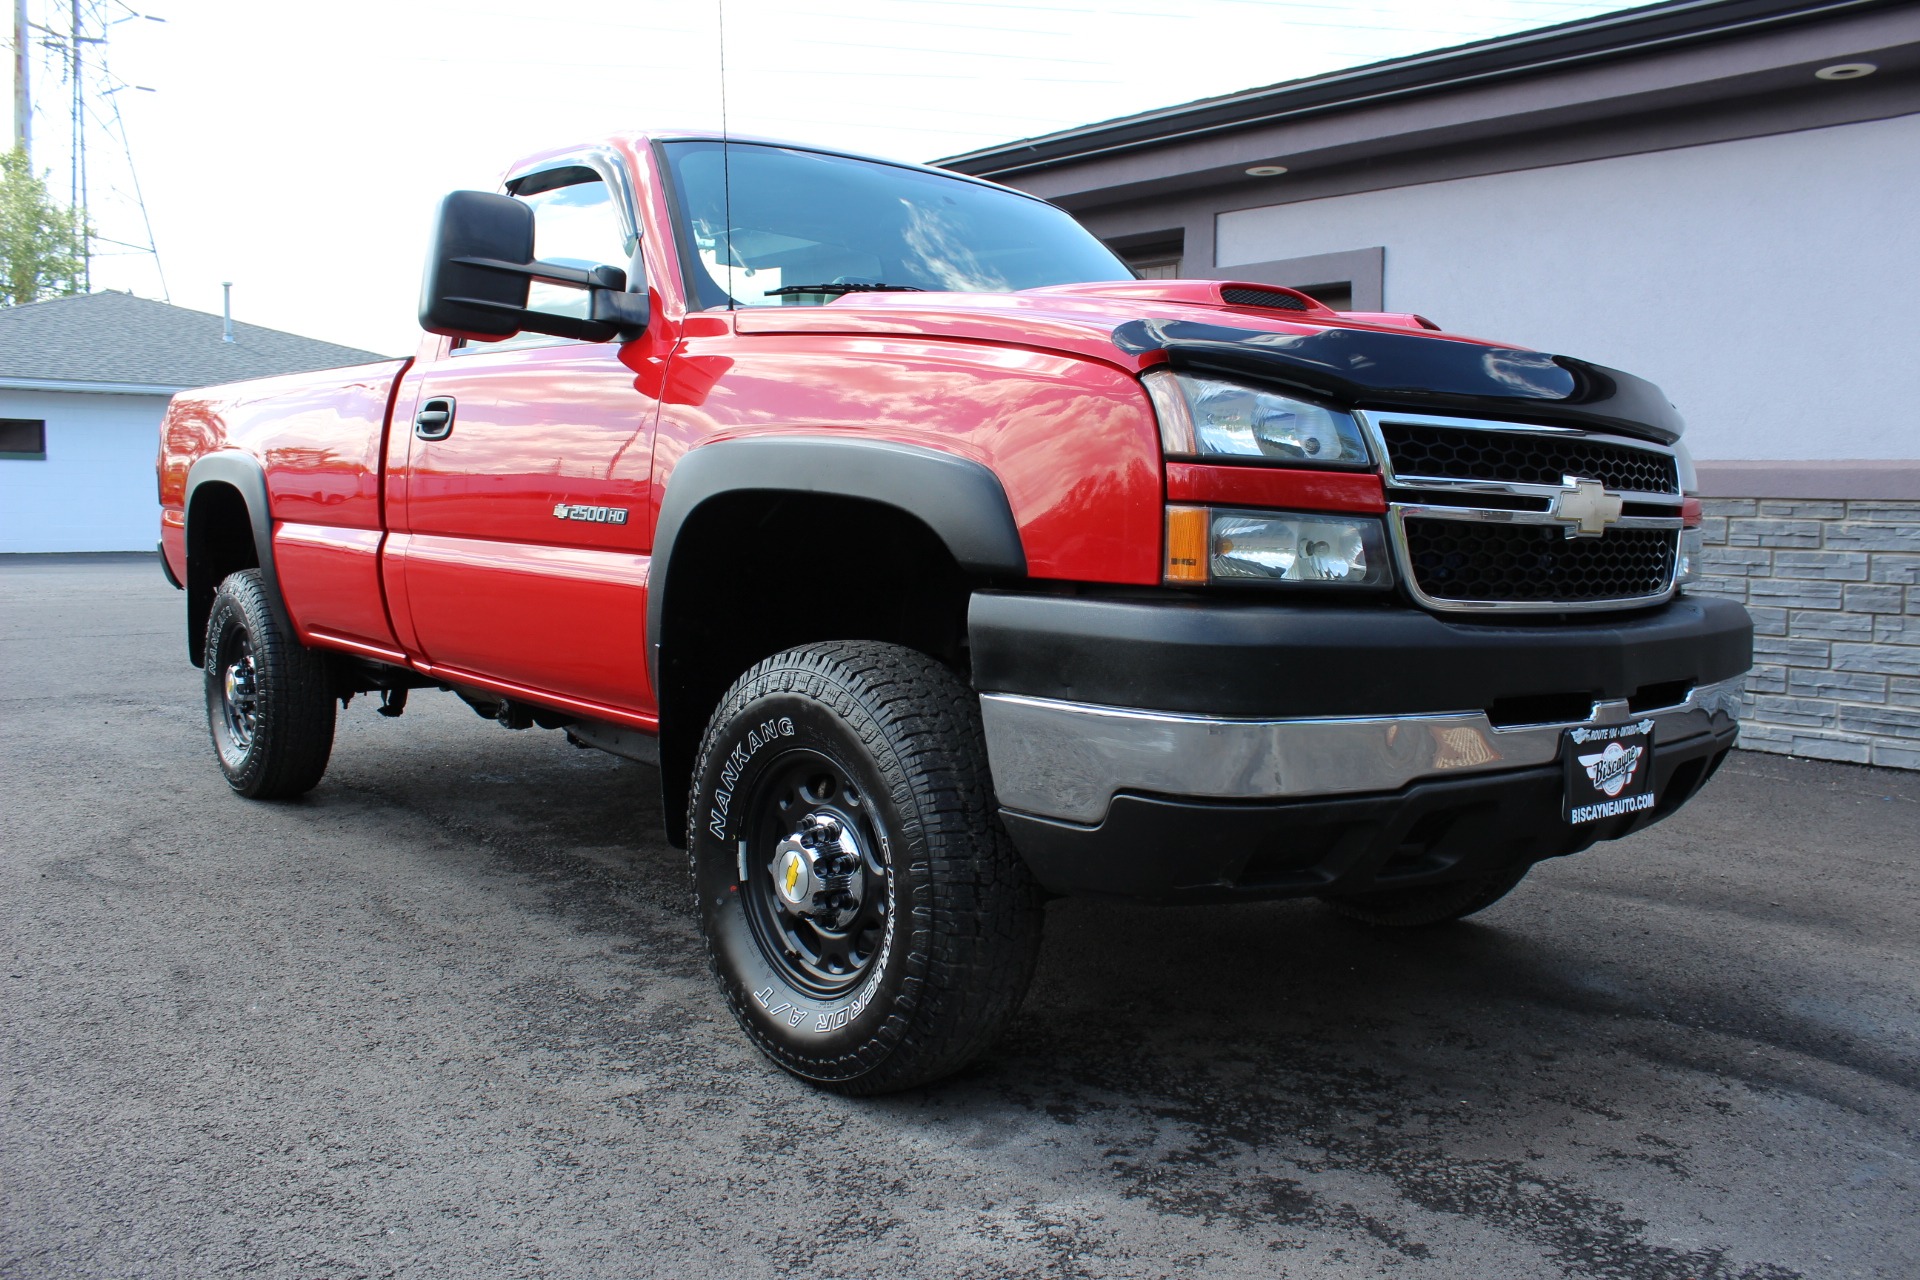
592	515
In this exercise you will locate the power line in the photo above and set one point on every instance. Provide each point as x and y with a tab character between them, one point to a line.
71	50
141	200
951	53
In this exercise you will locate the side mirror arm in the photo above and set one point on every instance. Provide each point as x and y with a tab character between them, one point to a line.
612	301
614	312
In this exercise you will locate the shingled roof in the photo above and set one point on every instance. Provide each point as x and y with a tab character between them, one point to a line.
118	340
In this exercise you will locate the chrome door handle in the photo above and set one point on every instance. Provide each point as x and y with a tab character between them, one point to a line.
435	419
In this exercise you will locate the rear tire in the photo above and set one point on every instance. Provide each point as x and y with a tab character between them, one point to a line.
1428	904
269	697
869	923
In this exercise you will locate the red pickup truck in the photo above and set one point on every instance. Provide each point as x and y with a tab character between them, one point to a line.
940	567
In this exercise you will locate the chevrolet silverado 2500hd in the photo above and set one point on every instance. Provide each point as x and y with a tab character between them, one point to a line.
940	566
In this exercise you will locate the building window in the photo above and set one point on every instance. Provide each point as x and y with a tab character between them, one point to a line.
23	440
1155	256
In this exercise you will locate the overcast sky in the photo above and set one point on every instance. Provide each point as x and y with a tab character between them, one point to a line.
298	150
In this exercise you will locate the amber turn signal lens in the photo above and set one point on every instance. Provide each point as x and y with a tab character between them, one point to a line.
1186	545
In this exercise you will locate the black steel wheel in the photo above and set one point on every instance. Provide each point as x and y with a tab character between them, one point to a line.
868	921
269	698
1429	904
822	910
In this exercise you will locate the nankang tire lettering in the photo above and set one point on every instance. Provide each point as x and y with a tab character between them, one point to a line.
757	737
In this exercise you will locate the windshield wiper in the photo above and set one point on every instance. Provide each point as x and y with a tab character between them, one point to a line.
841	288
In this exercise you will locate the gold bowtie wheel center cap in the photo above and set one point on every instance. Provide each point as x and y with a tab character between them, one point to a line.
793	877
819	870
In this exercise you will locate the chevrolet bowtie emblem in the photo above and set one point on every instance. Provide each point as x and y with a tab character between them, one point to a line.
1587	507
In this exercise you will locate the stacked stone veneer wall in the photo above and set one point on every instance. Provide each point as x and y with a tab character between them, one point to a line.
1834	590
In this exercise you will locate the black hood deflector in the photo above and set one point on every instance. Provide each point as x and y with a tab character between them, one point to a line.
1364	368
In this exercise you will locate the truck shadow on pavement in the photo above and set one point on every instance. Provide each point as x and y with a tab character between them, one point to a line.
1546	1076
1445	1070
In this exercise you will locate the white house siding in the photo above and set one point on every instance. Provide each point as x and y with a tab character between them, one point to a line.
1769	285
95	491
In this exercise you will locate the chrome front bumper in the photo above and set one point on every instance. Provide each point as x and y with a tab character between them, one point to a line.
1067	760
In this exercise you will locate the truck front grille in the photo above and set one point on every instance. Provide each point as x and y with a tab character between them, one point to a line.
1465	454
1458	561
1490	516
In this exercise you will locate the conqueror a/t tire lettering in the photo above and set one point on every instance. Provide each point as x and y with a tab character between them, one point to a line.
269	698
869	923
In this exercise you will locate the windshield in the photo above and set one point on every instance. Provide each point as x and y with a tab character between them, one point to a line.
801	218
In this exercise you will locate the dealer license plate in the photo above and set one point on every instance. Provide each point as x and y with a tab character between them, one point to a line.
1609	771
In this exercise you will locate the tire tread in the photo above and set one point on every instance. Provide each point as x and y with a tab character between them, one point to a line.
295	738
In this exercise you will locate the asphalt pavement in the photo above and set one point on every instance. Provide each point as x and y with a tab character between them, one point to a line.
448	1016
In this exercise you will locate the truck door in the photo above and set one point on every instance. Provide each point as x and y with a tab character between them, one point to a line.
524	536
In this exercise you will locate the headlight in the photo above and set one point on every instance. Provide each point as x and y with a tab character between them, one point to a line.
1692	543
1692	540
1683	466
1203	417
1206	545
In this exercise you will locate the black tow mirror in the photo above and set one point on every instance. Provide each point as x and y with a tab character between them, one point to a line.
463	295
481	263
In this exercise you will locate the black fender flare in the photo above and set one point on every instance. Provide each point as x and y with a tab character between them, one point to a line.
960	500
244	473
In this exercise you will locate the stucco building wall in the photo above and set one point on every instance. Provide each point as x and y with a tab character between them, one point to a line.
1768	285
95	490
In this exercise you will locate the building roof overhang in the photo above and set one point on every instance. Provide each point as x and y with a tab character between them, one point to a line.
1675	63
71	386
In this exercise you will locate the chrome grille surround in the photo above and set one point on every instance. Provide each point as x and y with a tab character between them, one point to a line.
1493	501
1464	453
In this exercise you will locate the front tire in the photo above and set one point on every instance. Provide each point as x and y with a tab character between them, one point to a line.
269	697
1429	904
869	923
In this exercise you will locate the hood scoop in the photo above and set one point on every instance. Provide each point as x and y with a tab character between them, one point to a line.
1246	295
1197	293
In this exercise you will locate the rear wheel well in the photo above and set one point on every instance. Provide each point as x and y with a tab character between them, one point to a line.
756	573
219	542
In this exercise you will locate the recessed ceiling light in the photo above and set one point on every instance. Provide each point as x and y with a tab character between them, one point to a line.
1845	71
1275	170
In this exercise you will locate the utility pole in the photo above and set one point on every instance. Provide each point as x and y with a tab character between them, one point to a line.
77	182
22	95
77	200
